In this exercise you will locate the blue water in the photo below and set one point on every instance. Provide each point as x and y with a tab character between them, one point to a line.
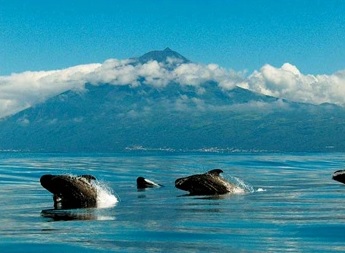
294	205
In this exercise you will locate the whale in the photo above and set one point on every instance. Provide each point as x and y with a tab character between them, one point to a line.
209	183
339	176
71	191
143	183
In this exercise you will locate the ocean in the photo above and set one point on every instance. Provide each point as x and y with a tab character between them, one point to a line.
290	204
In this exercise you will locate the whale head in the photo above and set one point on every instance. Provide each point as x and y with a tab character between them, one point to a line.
71	191
339	176
143	183
209	183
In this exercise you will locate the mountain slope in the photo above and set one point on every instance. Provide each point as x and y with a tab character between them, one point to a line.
116	118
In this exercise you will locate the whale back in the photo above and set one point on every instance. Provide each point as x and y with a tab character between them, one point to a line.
71	191
209	183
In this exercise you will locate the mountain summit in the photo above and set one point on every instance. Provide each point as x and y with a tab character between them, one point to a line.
162	56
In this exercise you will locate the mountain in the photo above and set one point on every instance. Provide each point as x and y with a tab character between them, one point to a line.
117	118
162	56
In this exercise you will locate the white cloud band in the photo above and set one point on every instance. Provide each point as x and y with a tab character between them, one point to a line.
22	90
289	83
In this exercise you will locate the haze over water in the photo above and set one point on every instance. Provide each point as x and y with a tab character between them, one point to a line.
294	205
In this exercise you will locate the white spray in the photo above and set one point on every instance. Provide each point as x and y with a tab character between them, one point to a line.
105	196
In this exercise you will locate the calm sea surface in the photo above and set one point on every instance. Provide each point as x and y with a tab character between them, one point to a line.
291	204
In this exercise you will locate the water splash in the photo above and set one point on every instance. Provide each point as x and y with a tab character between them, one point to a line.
241	186
105	195
260	190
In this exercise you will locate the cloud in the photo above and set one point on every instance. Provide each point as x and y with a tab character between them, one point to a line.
128	72
22	90
289	83
113	71
196	74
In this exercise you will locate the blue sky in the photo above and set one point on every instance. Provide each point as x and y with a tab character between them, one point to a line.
237	34
290	49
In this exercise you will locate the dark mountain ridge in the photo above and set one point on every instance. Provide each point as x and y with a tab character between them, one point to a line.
162	56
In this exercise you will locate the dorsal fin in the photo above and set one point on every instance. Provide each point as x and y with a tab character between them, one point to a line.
215	172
